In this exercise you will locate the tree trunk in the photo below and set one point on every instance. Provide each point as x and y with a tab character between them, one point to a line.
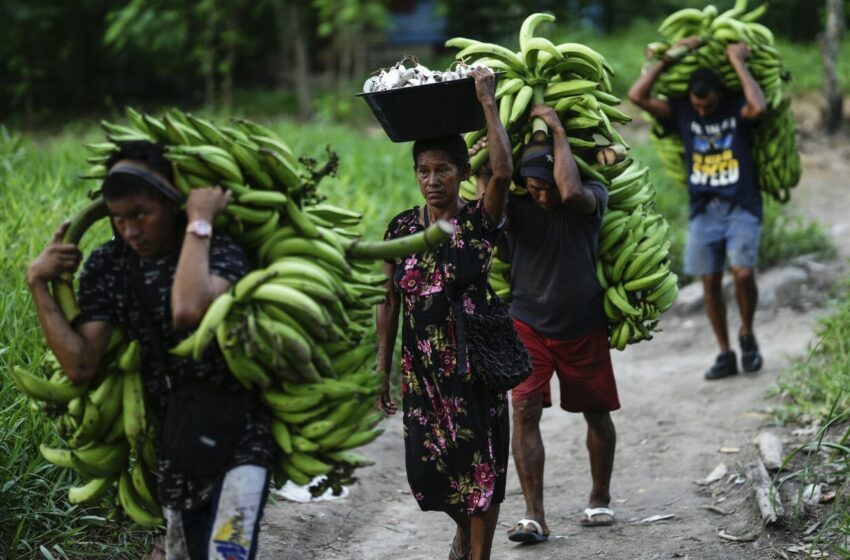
231	34
282	65
831	45
345	50
208	62
360	57
302	71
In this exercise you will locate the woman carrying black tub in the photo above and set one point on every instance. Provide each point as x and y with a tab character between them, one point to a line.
456	429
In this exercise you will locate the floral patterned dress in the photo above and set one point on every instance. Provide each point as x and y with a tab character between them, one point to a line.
456	430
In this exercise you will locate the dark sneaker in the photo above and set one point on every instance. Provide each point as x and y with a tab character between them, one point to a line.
750	355
725	365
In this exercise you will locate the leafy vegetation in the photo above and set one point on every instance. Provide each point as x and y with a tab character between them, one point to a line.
816	391
59	56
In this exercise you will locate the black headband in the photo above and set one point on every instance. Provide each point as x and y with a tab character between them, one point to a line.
153	179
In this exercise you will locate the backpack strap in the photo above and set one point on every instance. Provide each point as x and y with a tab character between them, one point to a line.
137	286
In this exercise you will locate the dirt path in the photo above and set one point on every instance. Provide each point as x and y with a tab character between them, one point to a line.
671	429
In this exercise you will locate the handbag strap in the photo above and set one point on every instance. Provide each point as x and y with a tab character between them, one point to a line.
455	298
138	287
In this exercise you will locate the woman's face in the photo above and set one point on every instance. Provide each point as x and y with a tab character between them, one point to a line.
439	178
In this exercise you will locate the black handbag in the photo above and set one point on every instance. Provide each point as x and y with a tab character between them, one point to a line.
497	356
202	423
496	353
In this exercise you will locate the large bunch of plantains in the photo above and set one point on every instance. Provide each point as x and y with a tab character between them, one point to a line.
298	327
775	143
575	80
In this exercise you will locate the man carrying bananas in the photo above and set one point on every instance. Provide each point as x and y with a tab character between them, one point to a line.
725	204
155	279
552	239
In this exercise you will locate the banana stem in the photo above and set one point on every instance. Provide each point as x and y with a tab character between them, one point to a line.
85	218
432	237
478	160
539	130
609	155
63	287
675	54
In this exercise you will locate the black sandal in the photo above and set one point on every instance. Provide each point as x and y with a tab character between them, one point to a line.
455	555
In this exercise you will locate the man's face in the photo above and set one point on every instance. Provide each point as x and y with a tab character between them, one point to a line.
147	224
543	193
705	106
439	178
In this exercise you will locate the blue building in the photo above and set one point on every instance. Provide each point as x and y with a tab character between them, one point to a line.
415	22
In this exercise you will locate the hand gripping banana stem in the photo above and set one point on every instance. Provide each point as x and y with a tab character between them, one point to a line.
63	289
539	130
431	238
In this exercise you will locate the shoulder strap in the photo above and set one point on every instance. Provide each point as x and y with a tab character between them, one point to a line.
491	291
138	287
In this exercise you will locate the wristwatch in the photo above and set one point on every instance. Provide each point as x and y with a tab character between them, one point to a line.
200	228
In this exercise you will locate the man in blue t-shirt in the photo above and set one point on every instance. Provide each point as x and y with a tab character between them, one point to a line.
725	204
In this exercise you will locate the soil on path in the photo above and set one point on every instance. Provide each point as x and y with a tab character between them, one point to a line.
673	429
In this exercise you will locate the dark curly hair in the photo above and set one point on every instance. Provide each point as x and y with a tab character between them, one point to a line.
453	146
147	152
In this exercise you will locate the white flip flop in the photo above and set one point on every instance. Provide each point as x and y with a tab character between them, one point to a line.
590	513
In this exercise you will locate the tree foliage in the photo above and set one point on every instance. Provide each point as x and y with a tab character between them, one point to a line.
61	56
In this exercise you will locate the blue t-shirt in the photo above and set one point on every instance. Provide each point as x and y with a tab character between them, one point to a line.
718	155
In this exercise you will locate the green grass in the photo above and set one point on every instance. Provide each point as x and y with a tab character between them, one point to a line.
817	391
818	388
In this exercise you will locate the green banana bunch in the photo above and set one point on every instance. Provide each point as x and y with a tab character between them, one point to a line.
775	153
575	80
633	266
571	77
95	423
775	147
299	327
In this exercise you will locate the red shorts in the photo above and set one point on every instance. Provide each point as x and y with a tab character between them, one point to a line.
583	366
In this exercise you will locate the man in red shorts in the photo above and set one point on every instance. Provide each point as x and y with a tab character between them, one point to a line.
552	240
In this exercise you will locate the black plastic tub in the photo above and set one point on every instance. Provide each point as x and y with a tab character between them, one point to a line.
428	111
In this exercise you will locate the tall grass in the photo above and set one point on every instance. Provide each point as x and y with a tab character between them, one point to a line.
817	391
